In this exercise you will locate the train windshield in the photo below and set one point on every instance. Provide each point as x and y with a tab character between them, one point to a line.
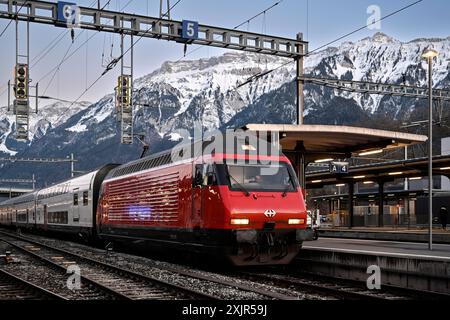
275	178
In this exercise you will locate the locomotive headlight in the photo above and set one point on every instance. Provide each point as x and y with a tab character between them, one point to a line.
296	221
240	222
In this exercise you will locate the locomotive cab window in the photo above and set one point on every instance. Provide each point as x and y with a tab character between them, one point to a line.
277	177
198	177
205	175
85	198
210	176
75	199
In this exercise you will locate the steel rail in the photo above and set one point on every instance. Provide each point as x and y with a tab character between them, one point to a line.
111	268
25	287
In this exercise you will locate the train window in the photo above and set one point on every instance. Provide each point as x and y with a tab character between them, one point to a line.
58	217
211	179
198	177
85	198
75	199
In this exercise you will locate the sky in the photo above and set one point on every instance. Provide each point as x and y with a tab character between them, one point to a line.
321	21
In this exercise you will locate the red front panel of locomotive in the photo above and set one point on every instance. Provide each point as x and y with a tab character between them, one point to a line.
246	197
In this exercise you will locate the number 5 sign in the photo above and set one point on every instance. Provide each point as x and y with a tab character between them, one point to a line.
190	30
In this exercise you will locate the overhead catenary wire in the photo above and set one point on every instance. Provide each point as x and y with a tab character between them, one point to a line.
6	28
16	15
257	15
246	22
104	47
52	44
257	76
113	63
47	49
57	40
57	67
363	27
65	58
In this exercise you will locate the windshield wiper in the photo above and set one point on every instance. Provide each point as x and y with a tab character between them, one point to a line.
287	188
243	189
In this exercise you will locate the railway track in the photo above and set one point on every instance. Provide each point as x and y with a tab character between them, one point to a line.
267	284
117	282
58	277
15	288
331	288
209	278
388	290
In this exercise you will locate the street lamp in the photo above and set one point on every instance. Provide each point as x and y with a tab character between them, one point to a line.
429	54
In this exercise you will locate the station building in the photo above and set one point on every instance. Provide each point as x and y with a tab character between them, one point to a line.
399	187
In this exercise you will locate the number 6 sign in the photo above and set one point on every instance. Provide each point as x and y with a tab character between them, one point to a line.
68	14
190	30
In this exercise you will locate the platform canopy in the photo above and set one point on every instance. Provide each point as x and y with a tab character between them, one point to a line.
323	141
382	172
6	192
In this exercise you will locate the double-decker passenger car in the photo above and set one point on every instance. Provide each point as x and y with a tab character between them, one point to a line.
67	207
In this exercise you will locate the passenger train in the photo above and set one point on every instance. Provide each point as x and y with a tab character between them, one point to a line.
221	204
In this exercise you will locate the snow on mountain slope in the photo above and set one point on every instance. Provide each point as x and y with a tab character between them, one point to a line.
180	93
211	83
48	116
381	59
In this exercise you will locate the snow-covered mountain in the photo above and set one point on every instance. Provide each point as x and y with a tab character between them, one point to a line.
180	93
381	59
48	117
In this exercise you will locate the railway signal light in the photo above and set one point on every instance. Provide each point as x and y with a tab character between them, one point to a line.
124	90
21	77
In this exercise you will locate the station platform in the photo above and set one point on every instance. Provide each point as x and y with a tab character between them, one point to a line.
440	252
402	264
388	234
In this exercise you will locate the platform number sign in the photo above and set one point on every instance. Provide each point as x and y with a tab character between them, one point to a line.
68	14
339	167
190	30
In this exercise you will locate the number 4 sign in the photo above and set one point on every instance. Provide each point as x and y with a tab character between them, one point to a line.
339	167
190	30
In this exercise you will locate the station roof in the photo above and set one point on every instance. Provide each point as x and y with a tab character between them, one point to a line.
388	194
343	141
385	171
6	190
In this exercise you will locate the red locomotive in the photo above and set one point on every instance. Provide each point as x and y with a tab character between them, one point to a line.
240	205
222	204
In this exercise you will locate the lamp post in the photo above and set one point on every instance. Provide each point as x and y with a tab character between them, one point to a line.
429	54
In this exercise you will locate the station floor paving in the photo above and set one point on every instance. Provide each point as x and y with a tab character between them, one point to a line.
386	248
419	235
421	230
